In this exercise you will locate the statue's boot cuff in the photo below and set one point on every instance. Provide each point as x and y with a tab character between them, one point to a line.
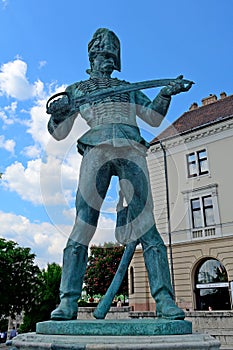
67	310
160	283
169	310
73	270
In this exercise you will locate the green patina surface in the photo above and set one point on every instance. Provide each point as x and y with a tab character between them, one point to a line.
113	146
115	327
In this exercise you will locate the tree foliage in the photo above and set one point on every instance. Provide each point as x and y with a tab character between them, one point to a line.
46	300
3	324
103	262
18	278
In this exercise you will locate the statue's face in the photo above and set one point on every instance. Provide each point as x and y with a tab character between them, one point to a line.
104	62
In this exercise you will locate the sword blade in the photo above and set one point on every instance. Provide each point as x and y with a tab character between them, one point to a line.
105	303
123	88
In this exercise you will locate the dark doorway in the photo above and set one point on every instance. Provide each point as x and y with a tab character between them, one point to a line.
211	286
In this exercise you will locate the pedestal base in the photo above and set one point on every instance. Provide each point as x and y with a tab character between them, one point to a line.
115	327
140	334
33	341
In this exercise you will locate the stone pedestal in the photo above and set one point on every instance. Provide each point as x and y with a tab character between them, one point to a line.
115	327
114	335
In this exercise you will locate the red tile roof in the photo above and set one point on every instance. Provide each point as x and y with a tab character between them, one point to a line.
200	117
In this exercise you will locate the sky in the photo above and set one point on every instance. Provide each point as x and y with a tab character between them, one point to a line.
43	50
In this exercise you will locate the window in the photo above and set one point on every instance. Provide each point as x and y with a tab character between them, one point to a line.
203	217
197	163
202	212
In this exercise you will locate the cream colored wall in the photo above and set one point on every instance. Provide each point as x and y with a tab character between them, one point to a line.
156	170
188	252
221	165
186	257
219	148
177	182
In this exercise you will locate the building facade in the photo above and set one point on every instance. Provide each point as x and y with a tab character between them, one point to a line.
191	173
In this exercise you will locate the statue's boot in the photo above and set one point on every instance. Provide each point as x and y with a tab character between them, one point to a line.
160	283
74	266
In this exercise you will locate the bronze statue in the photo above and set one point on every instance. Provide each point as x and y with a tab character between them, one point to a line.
113	147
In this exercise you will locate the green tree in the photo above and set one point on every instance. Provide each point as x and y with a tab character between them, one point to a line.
46	300
3	324
103	262
18	278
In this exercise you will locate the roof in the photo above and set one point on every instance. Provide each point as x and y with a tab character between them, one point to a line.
199	117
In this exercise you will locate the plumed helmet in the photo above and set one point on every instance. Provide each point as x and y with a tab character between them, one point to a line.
104	40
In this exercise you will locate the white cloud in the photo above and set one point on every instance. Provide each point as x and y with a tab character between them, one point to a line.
24	181
57	182
105	231
7	114
11	108
32	151
42	64
38	88
44	239
14	83
8	145
42	183
47	241
37	126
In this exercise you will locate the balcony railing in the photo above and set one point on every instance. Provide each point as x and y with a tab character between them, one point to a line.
203	232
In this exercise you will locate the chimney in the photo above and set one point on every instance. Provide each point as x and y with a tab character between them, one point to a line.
223	95
193	106
210	99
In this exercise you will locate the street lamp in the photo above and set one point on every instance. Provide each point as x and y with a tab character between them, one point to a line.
168	215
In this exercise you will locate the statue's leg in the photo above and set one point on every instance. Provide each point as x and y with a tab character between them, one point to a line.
155	256
140	221
74	267
88	203
135	217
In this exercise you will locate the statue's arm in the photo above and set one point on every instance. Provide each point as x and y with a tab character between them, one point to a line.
60	129
154	111
62	118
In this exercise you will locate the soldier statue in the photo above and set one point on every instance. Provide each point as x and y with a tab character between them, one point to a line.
113	146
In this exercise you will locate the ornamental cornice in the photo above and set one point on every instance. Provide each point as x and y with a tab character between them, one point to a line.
193	136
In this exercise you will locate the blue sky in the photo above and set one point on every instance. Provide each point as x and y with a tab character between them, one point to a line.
44	49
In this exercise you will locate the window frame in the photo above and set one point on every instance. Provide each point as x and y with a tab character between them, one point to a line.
202	232
202	209
199	209
205	207
197	162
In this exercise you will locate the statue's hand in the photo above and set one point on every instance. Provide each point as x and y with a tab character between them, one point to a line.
175	87
59	107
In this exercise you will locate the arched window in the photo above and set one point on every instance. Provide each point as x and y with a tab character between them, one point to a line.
131	274
211	286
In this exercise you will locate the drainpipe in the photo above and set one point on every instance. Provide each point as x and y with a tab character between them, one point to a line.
168	215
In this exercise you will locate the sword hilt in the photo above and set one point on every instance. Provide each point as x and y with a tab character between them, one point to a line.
52	98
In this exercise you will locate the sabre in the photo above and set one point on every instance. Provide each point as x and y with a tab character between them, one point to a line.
105	303
75	103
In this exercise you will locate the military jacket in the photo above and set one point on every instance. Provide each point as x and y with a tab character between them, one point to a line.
112	120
